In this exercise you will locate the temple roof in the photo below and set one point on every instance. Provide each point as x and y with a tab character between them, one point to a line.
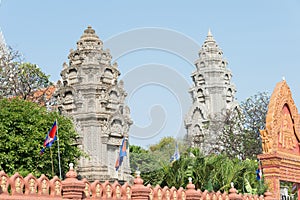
210	49
89	40
209	36
210	39
89	34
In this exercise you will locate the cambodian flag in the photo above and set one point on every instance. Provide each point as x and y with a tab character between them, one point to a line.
176	155
122	153
259	174
50	138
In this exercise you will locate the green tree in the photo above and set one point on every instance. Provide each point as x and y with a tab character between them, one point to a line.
23	127
164	149
232	138
18	78
255	110
151	162
23	81
144	161
213	172
240	136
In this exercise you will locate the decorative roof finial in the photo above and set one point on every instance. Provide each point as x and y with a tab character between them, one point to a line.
137	172
209	32
209	36
283	78
71	165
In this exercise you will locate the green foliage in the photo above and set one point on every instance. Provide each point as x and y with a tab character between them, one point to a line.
23	127
150	162
30	78
18	78
255	110
22	80
212	173
166	143
232	136
146	162
240	136
141	159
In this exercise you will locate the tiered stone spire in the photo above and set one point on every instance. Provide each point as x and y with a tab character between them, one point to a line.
3	47
212	94
91	93
2	40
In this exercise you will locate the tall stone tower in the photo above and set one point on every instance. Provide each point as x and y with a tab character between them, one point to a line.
2	40
92	95
3	47
212	94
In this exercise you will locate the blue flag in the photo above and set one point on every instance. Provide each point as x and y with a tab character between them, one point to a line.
176	155
50	138
258	174
122	153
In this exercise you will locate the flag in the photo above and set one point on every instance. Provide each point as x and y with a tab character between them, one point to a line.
122	153
294	188
50	138
259	172
176	155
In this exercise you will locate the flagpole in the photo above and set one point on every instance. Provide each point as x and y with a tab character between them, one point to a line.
58	152
52	161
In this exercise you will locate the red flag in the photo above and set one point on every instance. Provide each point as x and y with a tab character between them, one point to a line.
50	137
122	153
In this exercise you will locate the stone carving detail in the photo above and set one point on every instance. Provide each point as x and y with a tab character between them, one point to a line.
281	118
31	185
94	97
286	134
4	183
212	93
280	140
266	141
72	188
44	186
17	184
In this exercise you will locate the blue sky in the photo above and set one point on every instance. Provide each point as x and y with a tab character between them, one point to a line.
260	40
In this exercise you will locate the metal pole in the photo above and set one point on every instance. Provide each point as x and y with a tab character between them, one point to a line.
58	152
52	162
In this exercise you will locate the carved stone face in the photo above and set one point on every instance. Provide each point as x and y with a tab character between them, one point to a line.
86	190
18	185
183	195
159	195
214	197
128	193
118	192
108	191
168	194
57	187
44	186
207	197
3	183
174	195
151	194
98	190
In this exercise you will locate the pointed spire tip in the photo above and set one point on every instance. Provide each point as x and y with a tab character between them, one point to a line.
209	32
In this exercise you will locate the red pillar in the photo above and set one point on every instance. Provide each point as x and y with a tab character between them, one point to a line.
72	188
139	191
